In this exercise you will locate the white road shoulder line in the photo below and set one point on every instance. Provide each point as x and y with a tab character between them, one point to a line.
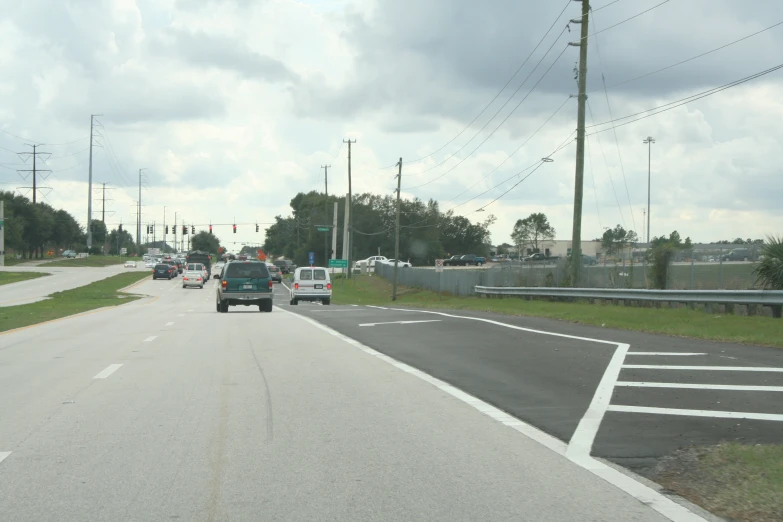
402	322
679	354
151	338
697	413
4	455
108	371
657	501
706	368
169	323
733	387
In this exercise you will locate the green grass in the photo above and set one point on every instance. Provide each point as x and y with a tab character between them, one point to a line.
736	481
62	304
14	277
374	290
11	261
92	261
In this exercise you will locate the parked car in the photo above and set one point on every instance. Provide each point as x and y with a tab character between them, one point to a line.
369	262
311	284
162	271
402	264
540	257
453	260
738	254
193	278
69	253
244	283
465	260
275	273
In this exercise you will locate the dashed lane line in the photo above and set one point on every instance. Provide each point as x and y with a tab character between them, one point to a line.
678	354
696	413
108	371
402	322
151	338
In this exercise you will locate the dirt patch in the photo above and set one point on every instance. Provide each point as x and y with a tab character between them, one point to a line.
740	482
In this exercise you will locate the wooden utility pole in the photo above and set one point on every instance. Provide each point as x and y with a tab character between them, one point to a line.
397	233
326	213
350	210
576	238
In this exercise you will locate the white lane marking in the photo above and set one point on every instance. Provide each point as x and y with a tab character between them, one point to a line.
333	310
151	338
402	322
4	455
698	413
190	310
378	307
680	354
169	323
180	315
108	371
581	442
733	387
707	368
639	491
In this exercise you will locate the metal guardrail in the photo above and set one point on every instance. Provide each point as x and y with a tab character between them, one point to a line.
760	297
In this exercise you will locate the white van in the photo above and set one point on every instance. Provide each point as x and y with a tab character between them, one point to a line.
311	284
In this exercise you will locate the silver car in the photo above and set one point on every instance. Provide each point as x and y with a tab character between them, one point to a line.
193	278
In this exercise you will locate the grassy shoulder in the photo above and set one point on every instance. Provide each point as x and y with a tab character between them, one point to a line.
7	278
62	304
737	481
374	290
11	261
91	261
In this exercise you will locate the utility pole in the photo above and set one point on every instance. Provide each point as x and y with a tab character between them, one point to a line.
345	229
164	229
104	200
89	185
334	232
34	170
326	213
350	210
138	217
649	141
576	238
2	235
397	234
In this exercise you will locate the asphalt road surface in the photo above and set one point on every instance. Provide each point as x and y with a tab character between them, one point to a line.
163	409
61	278
655	393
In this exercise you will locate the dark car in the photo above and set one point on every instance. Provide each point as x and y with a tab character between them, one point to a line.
285	266
453	260
174	267
162	271
244	283
275	273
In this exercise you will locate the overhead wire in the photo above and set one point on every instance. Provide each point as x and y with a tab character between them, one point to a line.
626	20
568	2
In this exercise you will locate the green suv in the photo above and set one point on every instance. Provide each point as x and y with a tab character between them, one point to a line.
244	283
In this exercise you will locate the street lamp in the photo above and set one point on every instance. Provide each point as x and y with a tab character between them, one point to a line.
649	141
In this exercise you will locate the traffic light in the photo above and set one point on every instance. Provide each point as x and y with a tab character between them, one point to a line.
184	230
235	229
120	227
256	227
193	229
167	229
210	229
152	229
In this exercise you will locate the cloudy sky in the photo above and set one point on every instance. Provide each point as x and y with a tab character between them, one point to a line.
232	106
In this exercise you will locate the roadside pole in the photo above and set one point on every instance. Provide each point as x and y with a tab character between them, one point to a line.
397	234
439	270
2	235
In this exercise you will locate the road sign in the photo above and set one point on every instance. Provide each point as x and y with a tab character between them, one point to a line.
123	251
323	229
311	258
338	263
439	265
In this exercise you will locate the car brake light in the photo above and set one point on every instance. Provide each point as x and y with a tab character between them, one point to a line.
184	278
270	283
328	286
199	279
296	286
224	283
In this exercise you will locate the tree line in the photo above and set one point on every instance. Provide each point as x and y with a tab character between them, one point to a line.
31	229
426	233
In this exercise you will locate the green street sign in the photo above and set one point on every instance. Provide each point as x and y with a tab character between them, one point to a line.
338	263
323	229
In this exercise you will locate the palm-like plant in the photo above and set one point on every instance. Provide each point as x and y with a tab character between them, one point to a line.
769	269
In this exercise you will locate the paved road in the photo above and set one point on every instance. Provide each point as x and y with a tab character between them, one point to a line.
663	394
163	409
61	278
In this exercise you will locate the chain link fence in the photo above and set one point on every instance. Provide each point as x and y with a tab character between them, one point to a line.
693	269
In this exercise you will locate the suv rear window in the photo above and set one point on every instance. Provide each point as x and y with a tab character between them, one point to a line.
306	275
252	270
162	266
319	275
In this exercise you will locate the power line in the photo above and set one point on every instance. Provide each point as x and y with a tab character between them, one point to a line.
568	2
627	19
683	101
500	124
69	155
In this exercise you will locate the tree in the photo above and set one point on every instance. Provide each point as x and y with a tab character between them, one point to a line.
99	231
205	241
615	240
661	254
534	230
769	269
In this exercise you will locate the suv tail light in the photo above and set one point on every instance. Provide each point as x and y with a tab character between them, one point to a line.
270	284
224	283
296	286
328	286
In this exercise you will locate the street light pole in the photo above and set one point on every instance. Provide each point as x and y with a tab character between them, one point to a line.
649	141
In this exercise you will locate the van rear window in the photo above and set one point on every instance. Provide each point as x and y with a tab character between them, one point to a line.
252	270
319	275
306	275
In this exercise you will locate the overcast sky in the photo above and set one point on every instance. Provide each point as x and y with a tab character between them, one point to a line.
232	106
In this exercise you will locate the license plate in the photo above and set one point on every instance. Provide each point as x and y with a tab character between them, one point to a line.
247	287
319	287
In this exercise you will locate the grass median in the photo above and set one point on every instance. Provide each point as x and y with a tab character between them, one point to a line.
374	290
740	482
69	302
91	261
7	278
